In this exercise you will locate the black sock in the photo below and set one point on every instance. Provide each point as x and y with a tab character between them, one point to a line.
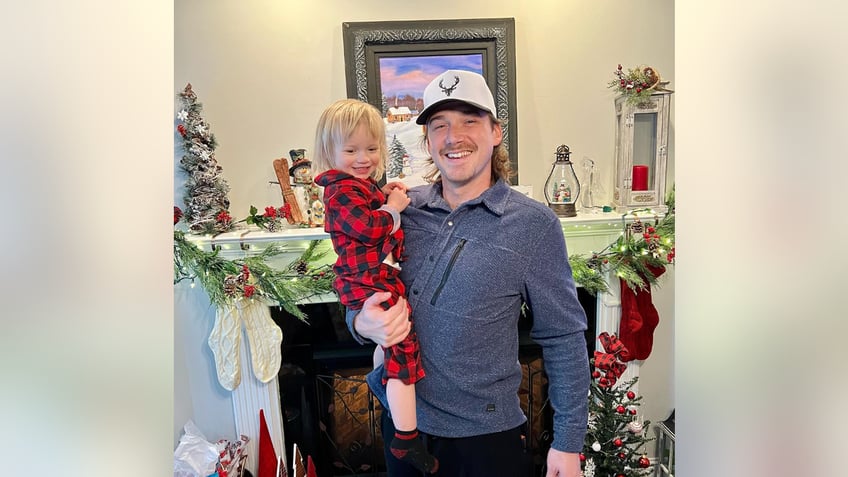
407	447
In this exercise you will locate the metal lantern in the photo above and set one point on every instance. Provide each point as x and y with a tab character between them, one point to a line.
562	187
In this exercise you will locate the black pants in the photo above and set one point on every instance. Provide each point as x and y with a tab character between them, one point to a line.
491	455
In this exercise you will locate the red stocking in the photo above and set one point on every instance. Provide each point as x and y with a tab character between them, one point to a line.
631	320
639	318
644	337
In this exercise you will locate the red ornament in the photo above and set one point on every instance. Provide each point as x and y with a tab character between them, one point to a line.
631	395
616	442
619	67
245	271
644	462
582	457
620	409
182	130
596	374
632	412
621	455
270	212
638	90
249	290
178	214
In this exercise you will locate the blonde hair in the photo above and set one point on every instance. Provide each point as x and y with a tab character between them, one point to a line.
336	125
501	167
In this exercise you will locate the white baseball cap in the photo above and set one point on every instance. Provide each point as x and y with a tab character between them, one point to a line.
457	85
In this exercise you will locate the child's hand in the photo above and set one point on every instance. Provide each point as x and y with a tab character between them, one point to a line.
389	187
398	199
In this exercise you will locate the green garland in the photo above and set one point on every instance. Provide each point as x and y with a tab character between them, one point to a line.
632	256
226	281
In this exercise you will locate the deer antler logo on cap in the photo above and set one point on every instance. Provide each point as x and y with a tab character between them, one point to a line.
448	90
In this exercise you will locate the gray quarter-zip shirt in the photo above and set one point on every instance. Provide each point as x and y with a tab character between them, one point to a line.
467	272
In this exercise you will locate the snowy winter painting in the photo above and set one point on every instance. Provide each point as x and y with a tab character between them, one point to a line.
401	87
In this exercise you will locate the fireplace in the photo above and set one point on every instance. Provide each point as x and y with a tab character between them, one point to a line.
324	348
329	412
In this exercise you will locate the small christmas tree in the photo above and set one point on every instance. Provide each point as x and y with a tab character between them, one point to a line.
615	436
396	154
206	199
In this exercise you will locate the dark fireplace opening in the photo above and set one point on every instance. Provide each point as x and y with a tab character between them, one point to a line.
330	413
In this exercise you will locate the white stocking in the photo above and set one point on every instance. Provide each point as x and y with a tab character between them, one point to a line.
265	338
225	341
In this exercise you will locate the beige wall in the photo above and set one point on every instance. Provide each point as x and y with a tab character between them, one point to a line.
264	70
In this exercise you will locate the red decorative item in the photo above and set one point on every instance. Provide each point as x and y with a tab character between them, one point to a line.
616	442
270	212
640	173
632	412
621	455
582	457
644	462
631	395
223	217
249	290
178	214
246	272
620	409
182	130
639	318
310	467
267	464
611	361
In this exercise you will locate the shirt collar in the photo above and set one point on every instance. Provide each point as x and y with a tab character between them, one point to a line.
494	198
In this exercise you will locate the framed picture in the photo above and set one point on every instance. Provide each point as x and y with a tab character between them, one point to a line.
388	64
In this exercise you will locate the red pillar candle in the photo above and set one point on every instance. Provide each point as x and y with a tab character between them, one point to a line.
640	178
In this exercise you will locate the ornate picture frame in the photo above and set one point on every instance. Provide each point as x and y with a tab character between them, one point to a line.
488	45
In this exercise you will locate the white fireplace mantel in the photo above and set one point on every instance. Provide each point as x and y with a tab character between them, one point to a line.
223	414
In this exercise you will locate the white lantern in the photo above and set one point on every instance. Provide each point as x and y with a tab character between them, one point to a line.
641	152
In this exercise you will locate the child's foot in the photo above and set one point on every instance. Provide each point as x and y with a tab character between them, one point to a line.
407	447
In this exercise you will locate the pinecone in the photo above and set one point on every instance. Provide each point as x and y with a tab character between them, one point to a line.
230	285
654	247
636	227
302	267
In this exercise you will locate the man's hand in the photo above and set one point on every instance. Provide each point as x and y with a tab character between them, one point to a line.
563	464
384	327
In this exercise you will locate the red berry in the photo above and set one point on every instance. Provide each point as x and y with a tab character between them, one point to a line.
638	90
619	67
620	409
632	412
631	395
617	442
596	374
621	455
582	457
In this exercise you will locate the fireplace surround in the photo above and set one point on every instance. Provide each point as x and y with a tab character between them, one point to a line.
331	359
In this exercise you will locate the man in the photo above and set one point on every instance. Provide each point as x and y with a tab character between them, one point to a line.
475	252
